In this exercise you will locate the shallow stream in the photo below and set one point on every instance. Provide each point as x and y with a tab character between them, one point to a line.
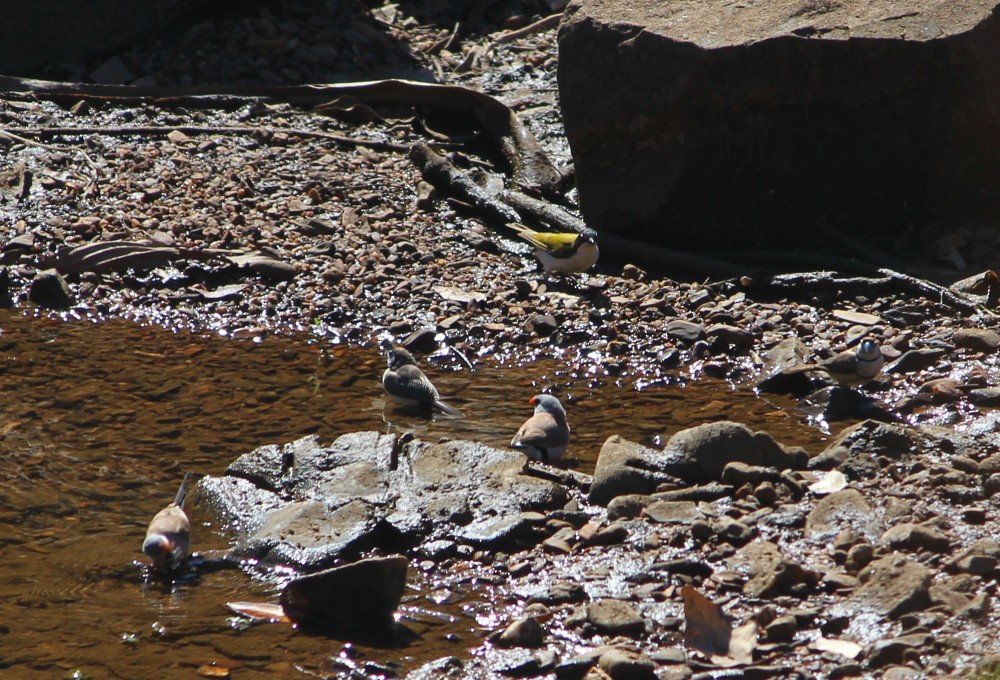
100	421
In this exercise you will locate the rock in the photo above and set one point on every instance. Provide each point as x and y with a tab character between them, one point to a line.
628	506
858	557
685	331
49	289
712	491
614	617
525	632
542	325
977	339
782	629
916	360
6	301
786	354
780	108
729	335
980	558
306	505
896	650
422	341
772	572
733	531
894	586
445	667
363	593
867	439
673	512
845	509
626	664
520	663
624	468
268	267
737	474
915	538
701	453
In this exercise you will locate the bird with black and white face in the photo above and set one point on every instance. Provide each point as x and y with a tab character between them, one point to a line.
407	385
545	435
849	369
168	536
560	252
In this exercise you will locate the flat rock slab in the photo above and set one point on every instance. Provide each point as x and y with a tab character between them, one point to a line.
308	505
794	112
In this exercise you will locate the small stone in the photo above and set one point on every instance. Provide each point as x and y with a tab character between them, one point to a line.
672	512
422	341
915	537
737	474
734	532
977	339
782	629
49	289
668	655
625	664
542	325
858	557
526	632
615	617
628	506
633	273
685	331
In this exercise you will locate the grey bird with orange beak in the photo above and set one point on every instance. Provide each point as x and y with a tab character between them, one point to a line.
545	435
168	536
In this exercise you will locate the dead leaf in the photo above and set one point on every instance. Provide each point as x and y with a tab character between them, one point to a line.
856	317
456	294
845	648
707	629
231	292
212	671
260	610
832	482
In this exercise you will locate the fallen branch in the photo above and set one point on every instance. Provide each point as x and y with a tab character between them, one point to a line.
531	166
440	172
147	130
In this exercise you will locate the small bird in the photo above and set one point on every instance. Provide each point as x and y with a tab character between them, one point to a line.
407	384
545	435
168	537
562	253
849	369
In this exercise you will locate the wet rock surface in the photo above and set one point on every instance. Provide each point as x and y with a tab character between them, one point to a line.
311	506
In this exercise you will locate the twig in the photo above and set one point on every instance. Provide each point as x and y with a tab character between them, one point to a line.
30	142
460	355
142	130
550	21
933	291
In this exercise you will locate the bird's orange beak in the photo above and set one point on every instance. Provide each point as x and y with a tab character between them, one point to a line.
532	401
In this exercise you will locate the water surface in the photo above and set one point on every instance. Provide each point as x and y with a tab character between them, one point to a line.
99	422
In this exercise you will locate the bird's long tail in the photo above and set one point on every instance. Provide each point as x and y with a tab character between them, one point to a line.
447	410
182	491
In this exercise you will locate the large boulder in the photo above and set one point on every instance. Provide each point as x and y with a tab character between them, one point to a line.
707	123
310	506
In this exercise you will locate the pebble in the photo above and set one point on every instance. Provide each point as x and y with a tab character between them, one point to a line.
615	617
